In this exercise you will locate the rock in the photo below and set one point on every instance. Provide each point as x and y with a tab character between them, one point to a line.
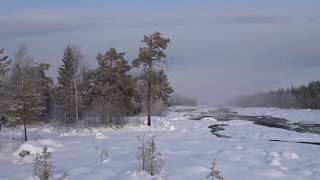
24	153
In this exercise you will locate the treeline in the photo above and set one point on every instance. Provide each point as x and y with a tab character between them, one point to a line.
302	97
180	100
83	96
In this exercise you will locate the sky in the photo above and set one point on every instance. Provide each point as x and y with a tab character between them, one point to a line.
218	49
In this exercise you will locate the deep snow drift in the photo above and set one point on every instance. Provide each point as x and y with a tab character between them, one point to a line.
187	147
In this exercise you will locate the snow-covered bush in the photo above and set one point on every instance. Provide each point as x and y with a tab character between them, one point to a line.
215	173
42	164
104	154
150	157
64	176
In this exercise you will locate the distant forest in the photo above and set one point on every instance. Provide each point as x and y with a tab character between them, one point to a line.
302	97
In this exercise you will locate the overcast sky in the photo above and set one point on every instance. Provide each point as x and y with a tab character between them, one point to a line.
218	50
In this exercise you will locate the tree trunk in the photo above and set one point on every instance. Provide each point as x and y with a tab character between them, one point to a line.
76	99
25	130
151	163
23	100
149	104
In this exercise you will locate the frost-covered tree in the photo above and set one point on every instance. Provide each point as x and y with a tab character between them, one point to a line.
4	68
142	152
65	175
42	165
4	74
113	87
67	96
214	173
86	91
45	88
26	95
154	163
151	58
80	69
180	100
150	157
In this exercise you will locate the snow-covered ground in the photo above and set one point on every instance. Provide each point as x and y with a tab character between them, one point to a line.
187	147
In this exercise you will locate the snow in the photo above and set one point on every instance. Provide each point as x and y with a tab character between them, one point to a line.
187	148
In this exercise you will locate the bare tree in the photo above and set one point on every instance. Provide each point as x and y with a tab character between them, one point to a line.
78	59
214	173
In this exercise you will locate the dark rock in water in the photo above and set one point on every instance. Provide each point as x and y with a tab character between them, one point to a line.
225	114
267	121
218	127
200	117
221	135
300	142
24	153
182	109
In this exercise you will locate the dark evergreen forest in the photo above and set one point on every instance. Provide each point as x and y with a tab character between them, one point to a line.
301	97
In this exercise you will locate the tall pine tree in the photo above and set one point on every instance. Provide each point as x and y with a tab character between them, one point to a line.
114	88
4	74
67	86
151	58
26	97
45	88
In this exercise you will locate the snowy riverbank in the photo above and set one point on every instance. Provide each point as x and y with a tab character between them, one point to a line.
187	148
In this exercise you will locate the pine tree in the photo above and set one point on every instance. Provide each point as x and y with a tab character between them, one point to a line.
25	92
150	58
4	67
86	90
113	87
45	88
4	100
42	164
67	84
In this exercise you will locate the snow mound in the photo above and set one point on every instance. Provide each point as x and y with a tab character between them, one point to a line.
83	132
46	130
275	162
274	154
134	174
99	135
106	161
35	147
158	124
289	155
209	119
272	173
31	147
32	178
50	142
